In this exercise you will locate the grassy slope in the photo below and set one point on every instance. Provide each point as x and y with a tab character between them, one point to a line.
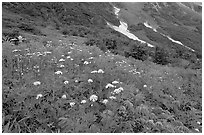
171	102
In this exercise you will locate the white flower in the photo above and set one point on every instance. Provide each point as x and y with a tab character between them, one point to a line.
90	58
76	81
68	57
83	101
100	71
112	97
198	122
66	82
37	83
115	82
94	71
105	101
39	95
64	96
145	86
118	90
72	104
71	59
90	80
93	98
110	85
58	72
61	66
86	62
197	129
61	60
69	52
47	52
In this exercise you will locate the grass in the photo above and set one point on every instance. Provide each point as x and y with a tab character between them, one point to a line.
148	88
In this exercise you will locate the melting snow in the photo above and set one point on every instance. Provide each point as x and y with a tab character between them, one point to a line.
149	26
123	29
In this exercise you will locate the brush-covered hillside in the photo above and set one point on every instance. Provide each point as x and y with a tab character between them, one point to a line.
65	70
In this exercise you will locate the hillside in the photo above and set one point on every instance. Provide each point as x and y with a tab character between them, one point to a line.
65	70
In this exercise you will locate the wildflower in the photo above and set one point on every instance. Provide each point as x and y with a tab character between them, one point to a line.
66	82
69	52
105	101
39	95
94	71
58	72
86	62
118	90
115	82
110	85
16	50
72	104
68	57
83	101
61	66
197	129
145	86
100	71
76	81
90	80
71	59
93	98
61	60
37	83
90	58
47	52
112	97
64	96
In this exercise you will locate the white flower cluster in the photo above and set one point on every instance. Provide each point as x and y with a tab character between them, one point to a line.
90	80
61	60
58	72
115	82
118	90
37	83
109	86
99	71
86	62
64	96
105	101
112	97
66	82
38	96
83	101
72	104
93	98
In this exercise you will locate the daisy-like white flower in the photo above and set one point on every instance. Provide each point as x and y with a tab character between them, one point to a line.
72	104
66	82
71	59
112	97
68	57
109	86
58	72
115	82
145	86
86	62
37	83
64	96
61	60
38	96
90	80
76	81
100	71
83	101
105	101
93	98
